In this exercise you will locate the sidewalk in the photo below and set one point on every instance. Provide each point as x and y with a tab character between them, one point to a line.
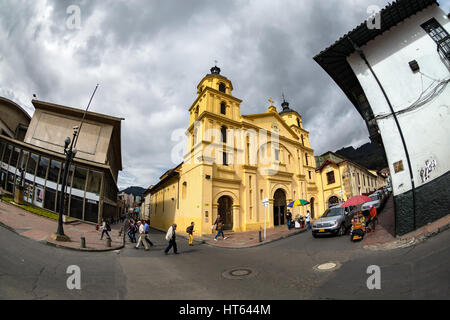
383	238
237	240
40	229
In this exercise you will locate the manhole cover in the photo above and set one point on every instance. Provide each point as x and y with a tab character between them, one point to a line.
239	273
328	266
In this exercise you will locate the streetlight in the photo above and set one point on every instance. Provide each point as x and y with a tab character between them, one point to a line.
70	153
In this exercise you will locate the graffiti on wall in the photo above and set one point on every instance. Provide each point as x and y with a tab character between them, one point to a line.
425	171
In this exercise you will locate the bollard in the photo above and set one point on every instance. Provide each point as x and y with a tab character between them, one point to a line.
260	239
83	242
108	242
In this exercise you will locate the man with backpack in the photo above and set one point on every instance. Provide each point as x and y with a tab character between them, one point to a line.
171	236
219	227
105	228
190	230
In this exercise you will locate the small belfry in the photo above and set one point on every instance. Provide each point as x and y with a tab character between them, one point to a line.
232	162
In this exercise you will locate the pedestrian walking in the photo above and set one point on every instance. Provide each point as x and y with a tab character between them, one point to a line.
132	231
142	236
147	229
372	217
308	220
190	230
105	228
171	237
219	227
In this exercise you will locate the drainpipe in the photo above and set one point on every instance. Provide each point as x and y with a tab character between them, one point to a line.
363	56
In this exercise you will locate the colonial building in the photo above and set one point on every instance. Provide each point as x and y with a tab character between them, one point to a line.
395	69
233	162
339	179
39	157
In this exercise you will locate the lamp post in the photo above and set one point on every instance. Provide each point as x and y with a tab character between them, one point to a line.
70	153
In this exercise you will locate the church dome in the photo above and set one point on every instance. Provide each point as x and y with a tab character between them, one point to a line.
286	109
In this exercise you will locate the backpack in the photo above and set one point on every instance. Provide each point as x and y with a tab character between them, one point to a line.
188	229
108	227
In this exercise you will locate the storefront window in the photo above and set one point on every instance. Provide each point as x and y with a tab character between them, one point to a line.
53	172
7	154
42	168
79	181
49	202
2	148
76	207
91	210
38	199
32	162
15	157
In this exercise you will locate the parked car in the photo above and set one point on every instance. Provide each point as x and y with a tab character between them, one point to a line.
335	220
375	203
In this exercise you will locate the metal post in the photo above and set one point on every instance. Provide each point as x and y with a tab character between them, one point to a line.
265	220
83	242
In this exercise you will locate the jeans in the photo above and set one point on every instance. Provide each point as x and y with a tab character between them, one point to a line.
289	224
308	224
173	244
103	232
132	236
219	232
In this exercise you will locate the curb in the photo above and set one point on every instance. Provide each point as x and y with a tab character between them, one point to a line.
260	243
61	246
178	235
407	242
84	249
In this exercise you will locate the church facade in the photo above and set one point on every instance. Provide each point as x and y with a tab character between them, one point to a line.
233	162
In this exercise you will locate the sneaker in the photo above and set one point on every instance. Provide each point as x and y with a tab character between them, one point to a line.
225	238
215	239
146	249
136	248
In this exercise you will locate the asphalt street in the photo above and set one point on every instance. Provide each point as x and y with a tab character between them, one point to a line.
284	269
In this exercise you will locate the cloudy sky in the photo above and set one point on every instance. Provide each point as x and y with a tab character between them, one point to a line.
149	55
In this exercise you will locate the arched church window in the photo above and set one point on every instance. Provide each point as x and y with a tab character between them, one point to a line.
222	87
298	122
223	108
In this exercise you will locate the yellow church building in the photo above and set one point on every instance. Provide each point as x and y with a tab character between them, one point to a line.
233	162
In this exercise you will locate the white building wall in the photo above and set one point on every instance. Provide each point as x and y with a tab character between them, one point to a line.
427	129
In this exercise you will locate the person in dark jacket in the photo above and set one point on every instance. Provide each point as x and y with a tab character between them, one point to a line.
171	237
190	230
288	219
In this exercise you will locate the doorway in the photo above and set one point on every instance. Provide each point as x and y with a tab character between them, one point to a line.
333	200
225	209
279	207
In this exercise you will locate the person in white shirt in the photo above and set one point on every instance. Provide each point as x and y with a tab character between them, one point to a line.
141	236
308	219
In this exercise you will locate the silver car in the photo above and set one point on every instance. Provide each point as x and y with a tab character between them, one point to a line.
335	220
375	203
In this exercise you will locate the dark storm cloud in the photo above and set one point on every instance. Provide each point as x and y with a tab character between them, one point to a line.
148	57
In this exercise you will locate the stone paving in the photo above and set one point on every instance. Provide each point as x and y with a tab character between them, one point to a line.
383	238
250	238
40	229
